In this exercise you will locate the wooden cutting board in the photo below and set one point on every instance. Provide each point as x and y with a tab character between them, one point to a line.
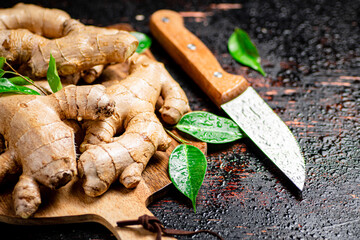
70	204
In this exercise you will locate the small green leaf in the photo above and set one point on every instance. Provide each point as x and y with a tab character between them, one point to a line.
144	41
187	168
209	128
53	76
2	72
20	81
2	62
244	51
8	87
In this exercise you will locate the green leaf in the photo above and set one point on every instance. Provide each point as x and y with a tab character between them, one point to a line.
20	81
53	76
2	72
2	62
8	87
144	41
187	168
209	128
244	51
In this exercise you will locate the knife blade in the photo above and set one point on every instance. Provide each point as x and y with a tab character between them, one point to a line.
232	93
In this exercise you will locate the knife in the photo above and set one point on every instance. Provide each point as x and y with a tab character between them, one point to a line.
232	93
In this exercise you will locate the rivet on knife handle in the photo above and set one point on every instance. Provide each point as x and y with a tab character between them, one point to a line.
186	49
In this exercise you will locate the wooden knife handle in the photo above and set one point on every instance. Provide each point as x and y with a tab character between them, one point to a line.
195	58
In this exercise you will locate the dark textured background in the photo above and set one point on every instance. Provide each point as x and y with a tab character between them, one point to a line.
311	52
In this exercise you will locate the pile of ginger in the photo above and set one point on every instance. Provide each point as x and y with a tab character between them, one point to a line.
121	128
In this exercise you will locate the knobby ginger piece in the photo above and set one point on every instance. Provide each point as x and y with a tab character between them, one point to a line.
40	141
107	158
29	33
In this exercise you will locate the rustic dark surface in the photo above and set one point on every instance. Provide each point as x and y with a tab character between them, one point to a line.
311	52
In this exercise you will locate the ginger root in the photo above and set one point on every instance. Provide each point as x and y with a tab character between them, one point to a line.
106	158
29	33
40	143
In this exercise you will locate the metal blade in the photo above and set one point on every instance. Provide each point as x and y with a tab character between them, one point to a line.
269	133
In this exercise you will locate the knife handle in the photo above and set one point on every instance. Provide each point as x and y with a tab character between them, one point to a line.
195	58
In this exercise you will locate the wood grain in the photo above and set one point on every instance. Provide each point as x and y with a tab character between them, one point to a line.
195	58
70	204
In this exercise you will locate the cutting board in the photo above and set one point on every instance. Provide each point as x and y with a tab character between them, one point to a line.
70	204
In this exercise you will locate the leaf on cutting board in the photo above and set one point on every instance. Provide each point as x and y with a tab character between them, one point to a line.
52	76
20	81
209	127
8	87
244	51
144	41
187	168
2	62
